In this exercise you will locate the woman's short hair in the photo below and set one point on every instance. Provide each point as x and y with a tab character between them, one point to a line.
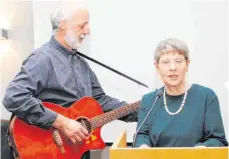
172	43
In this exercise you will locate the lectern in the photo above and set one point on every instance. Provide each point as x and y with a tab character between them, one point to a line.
119	150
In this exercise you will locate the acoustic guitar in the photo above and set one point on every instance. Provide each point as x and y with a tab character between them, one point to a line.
32	142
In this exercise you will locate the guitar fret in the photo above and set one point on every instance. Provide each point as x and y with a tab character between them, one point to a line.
115	114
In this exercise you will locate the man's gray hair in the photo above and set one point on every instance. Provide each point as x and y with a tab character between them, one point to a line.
168	44
65	11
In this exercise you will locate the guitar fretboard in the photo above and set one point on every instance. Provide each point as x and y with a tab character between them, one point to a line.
113	115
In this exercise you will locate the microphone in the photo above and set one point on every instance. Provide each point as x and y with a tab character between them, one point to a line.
159	93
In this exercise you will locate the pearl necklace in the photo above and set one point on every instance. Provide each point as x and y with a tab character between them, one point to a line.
181	107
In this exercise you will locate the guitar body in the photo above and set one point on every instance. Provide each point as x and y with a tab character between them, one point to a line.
33	142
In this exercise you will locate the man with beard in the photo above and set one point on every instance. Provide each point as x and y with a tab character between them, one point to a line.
55	73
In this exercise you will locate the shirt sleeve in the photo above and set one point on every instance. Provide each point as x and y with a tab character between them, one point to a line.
20	97
143	136
214	135
108	103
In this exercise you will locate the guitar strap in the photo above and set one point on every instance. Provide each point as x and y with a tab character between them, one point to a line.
111	69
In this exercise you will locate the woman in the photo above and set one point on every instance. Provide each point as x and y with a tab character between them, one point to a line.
185	115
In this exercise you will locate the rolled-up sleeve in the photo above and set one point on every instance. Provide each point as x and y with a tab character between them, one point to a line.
108	103
20	97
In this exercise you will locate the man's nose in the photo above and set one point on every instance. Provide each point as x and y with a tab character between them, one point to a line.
87	29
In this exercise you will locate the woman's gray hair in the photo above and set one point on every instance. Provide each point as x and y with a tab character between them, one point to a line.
168	44
65	11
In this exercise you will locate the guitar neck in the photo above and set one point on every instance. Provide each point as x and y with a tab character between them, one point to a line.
105	118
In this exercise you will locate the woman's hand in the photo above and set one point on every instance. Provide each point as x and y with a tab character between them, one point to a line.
200	146
144	146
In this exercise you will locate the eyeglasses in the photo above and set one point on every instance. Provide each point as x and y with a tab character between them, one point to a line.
167	63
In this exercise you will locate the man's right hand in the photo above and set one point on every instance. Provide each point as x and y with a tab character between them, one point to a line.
71	128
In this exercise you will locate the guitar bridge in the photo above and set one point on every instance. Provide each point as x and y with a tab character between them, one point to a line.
57	138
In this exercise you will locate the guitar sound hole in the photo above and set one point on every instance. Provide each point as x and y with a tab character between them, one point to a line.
85	123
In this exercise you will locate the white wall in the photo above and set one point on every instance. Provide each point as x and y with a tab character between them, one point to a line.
41	20
20	43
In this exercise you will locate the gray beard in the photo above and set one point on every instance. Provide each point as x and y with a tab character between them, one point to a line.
85	46
72	41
